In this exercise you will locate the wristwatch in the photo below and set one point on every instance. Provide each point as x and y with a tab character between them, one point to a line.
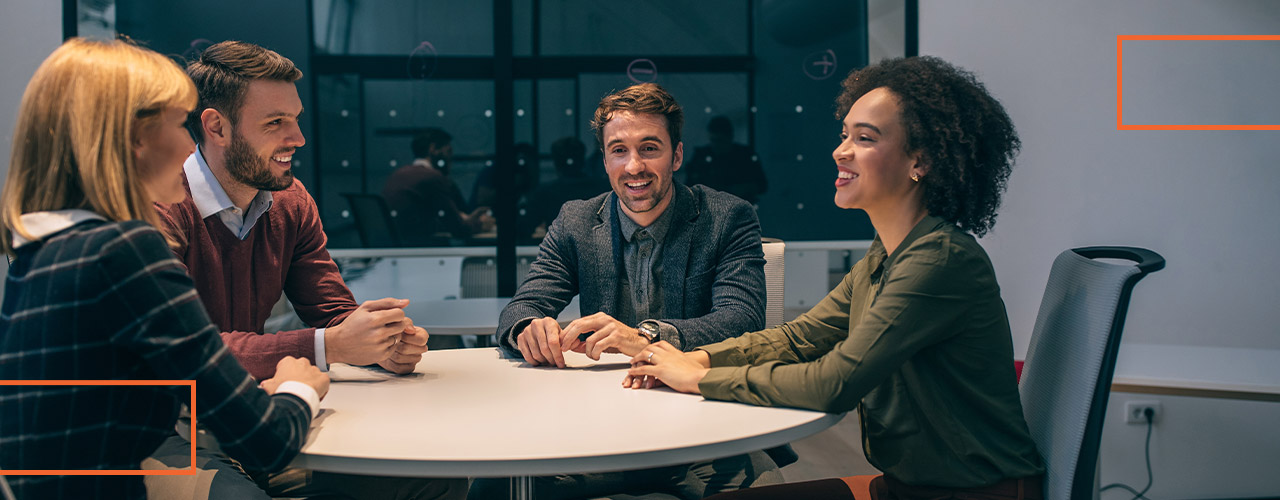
649	330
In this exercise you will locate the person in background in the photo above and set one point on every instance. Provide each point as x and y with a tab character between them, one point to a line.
485	191
650	260
916	338
571	183
726	165
250	231
427	201
525	179
95	293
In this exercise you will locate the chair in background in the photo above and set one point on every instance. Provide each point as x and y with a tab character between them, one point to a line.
774	271
374	220
480	275
1066	379
775	251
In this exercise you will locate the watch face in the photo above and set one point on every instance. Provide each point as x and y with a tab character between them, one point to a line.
649	331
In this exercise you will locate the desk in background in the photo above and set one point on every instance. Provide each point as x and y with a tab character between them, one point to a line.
469	316
1198	371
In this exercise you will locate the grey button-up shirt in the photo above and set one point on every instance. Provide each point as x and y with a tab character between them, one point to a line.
642	259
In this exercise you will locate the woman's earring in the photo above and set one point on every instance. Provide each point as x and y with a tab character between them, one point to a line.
915	177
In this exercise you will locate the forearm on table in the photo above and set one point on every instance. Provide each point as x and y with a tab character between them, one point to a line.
259	353
822	385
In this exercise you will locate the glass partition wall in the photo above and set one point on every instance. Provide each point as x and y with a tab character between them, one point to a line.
514	84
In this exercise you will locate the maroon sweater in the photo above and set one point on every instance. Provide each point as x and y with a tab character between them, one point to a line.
239	281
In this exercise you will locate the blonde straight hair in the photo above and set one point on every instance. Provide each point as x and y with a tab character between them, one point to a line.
73	141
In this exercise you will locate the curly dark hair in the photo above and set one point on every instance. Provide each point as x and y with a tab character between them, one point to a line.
963	134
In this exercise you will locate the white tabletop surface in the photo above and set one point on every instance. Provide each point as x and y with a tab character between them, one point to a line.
477	316
468	412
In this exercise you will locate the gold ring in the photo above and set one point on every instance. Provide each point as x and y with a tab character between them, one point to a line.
650	358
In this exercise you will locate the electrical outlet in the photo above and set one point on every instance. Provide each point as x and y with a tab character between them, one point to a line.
1133	411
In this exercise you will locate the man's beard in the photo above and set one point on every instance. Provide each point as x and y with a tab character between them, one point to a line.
656	195
246	167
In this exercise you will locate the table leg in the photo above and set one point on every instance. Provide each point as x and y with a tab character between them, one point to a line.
522	488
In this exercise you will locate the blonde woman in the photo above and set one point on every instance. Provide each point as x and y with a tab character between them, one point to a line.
94	292
916	337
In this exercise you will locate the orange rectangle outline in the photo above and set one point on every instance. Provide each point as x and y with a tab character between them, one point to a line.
1120	39
112	472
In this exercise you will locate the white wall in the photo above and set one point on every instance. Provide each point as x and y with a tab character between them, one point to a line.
29	31
1205	200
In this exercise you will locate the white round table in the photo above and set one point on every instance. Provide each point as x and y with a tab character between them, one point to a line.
469	412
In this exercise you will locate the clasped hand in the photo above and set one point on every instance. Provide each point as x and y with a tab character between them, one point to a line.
544	342
662	364
377	332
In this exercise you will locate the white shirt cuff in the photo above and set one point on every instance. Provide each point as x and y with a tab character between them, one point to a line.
321	363
304	391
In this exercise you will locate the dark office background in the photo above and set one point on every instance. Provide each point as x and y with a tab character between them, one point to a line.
497	73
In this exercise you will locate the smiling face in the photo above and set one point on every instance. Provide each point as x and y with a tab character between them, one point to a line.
265	136
640	161
873	166
161	145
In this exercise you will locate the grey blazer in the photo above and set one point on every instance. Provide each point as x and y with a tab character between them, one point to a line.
713	267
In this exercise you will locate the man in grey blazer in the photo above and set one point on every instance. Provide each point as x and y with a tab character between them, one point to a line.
651	260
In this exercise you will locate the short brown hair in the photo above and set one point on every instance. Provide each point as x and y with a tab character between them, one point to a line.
646	98
222	74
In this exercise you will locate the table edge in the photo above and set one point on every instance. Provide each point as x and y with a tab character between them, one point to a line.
548	466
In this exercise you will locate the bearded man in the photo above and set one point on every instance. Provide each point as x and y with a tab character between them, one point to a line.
248	232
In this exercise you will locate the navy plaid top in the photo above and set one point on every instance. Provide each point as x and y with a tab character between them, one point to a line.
108	301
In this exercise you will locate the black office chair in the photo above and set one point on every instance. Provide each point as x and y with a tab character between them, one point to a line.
374	220
1066	379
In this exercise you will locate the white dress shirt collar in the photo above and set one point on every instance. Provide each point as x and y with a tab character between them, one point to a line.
41	224
211	199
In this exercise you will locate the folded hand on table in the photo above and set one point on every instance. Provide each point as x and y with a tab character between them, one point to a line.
407	351
539	343
607	335
369	335
300	370
663	364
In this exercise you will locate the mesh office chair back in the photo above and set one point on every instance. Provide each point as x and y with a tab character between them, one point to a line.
775	266
1067	376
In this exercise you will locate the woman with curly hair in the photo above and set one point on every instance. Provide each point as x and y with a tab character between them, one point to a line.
916	336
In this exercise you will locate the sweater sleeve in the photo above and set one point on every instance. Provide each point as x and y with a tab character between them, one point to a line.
259	352
918	306
314	285
174	336
323	300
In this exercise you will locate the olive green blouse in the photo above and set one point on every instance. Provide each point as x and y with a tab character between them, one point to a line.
919	342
